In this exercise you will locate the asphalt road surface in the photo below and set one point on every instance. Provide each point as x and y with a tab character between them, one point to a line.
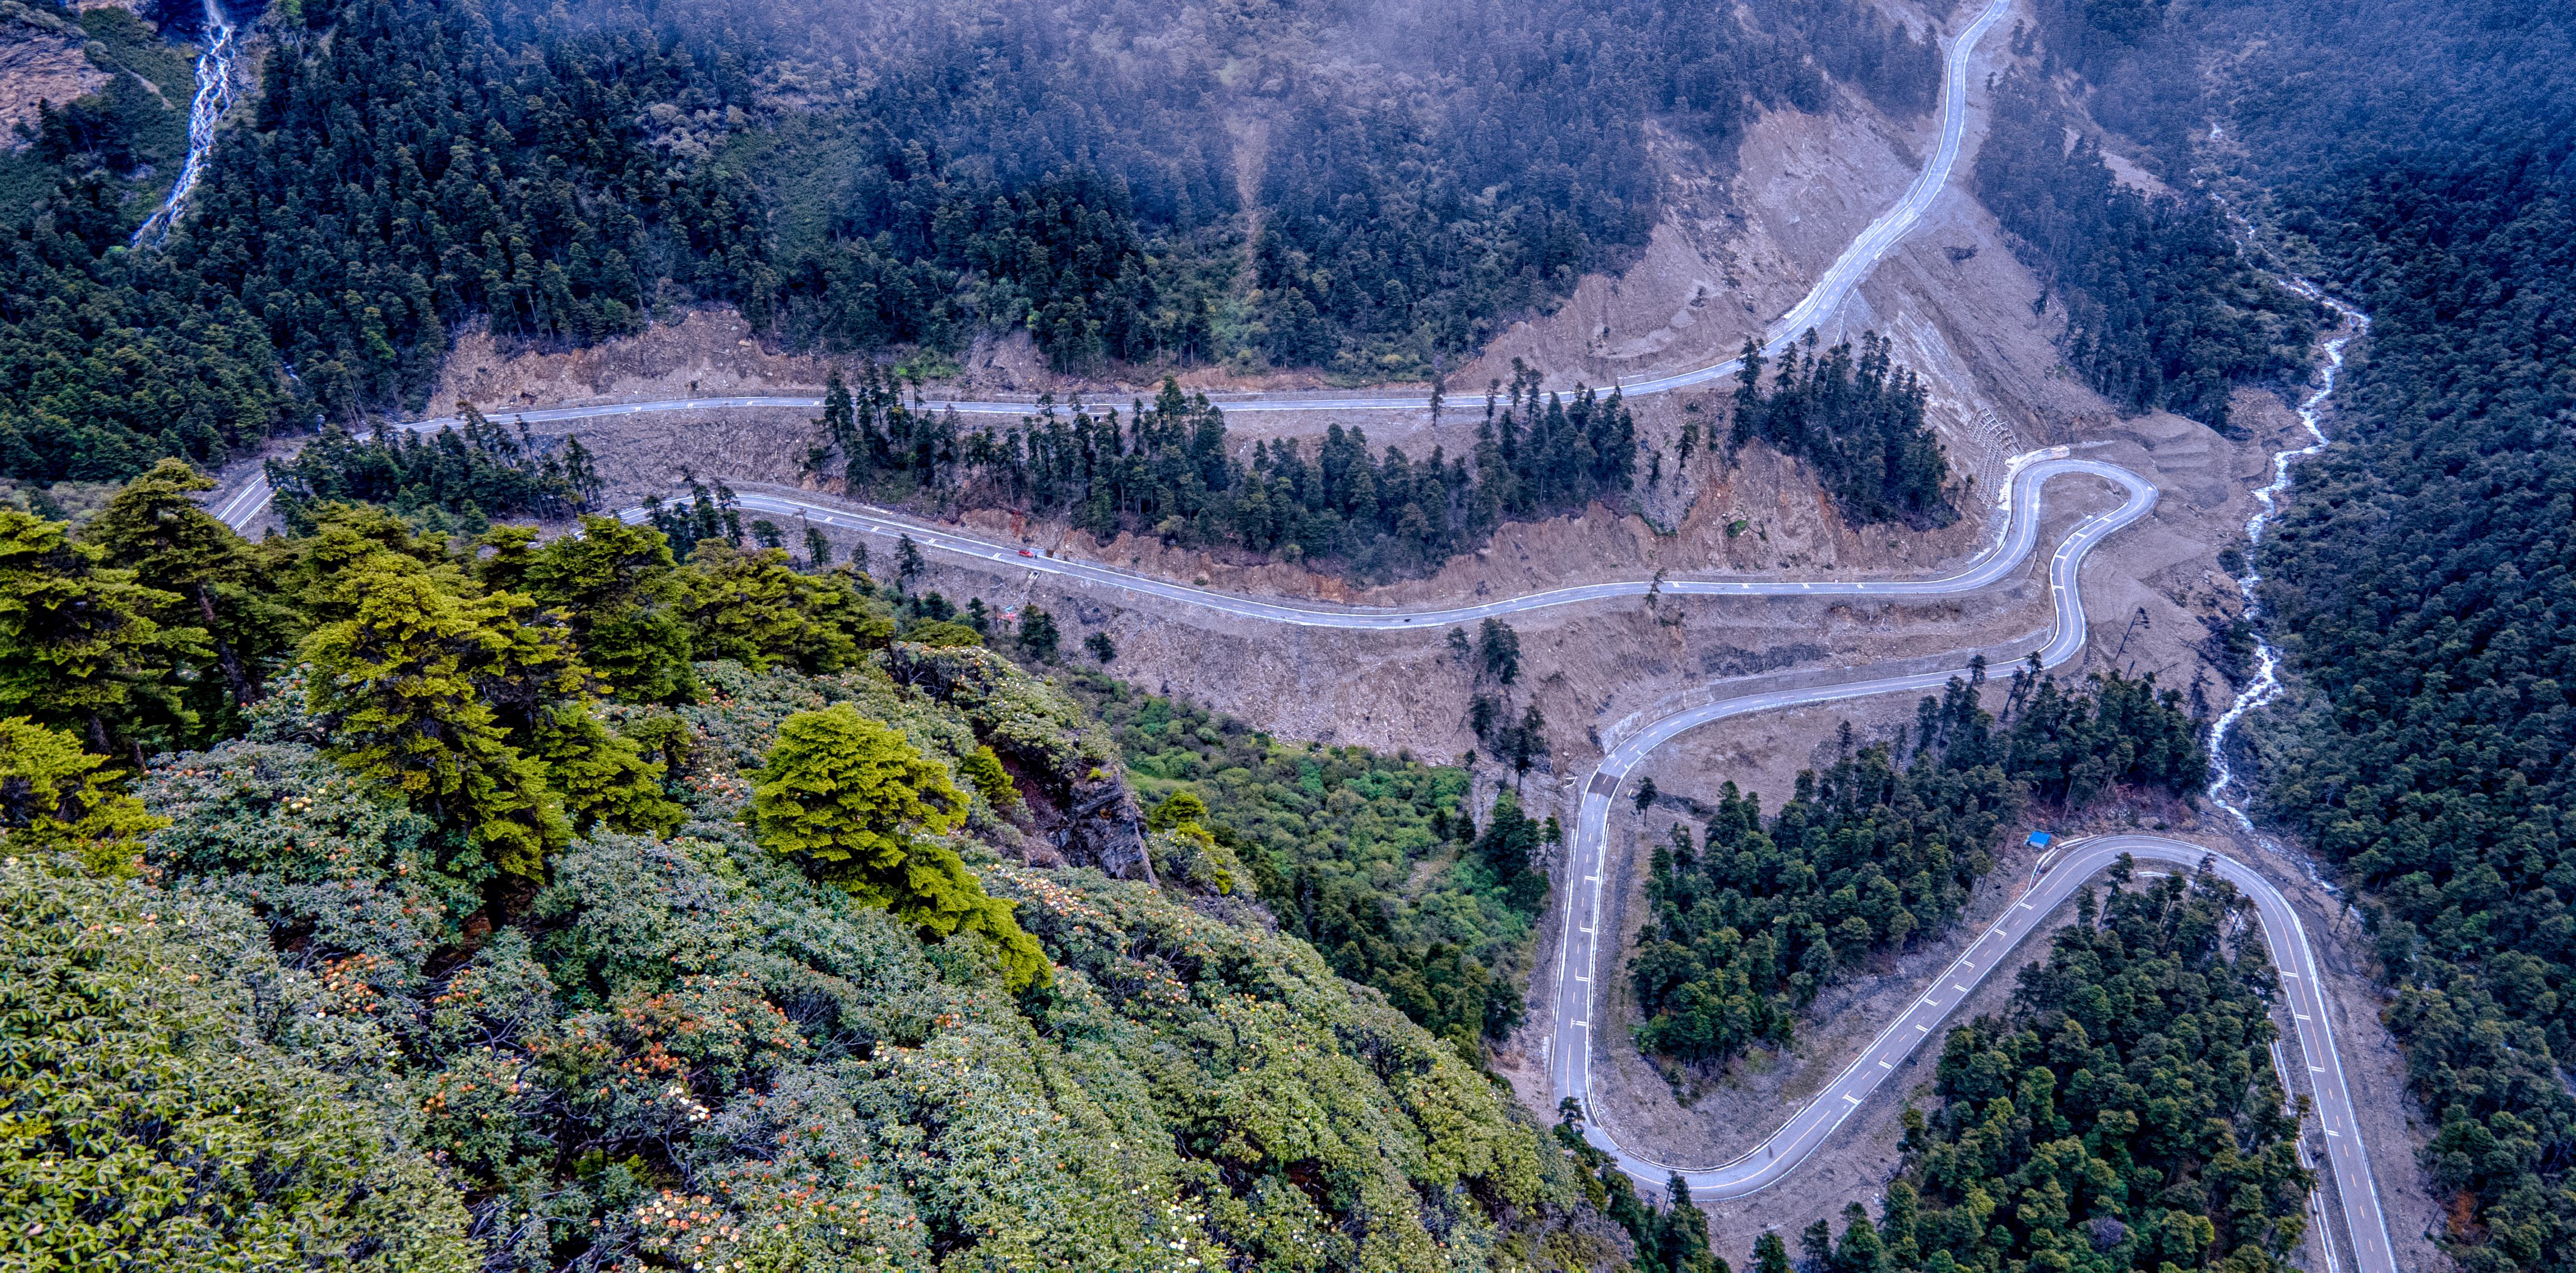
1570	1048
1819	304
2056	880
2020	534
1580	949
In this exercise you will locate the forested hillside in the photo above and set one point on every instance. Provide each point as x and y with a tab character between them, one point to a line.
861	178
2160	309
1749	923
2418	155
1376	861
1858	421
2121	1114
510	905
1168	469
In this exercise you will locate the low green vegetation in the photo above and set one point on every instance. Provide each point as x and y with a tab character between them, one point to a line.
181	1096
1377	861
447	948
1749	923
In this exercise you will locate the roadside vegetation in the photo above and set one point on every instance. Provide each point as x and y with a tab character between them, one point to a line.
860	180
1377	861
1168	469
558	903
1750	921
2413	158
2121	1113
1859	422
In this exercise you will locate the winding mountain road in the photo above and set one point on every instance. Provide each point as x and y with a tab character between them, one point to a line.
1831	289
1582	953
2077	862
2020	534
1581	950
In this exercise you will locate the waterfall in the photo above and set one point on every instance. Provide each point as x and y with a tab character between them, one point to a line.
214	94
2266	684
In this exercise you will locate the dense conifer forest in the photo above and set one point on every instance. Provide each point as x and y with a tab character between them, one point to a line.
2416	157
2122	1113
1749	922
1165	469
410	892
2161	311
896	177
1858	421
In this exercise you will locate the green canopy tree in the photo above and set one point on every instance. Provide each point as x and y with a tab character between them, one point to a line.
755	608
316	570
53	798
396	689
854	804
603	778
984	769
154	528
78	644
620	587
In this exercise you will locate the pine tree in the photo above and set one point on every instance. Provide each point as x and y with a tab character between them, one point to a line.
602	778
855	804
744	606
154	528
618	587
1037	635
79	647
53	799
403	691
1770	1254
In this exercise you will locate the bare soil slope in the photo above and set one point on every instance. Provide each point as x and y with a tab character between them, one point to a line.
1732	251
40	60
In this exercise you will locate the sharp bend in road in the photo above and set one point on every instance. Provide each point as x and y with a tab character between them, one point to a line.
1819	304
2020	535
1768	1163
1580	946
1570	1048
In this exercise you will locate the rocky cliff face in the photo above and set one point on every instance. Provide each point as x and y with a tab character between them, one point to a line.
41	60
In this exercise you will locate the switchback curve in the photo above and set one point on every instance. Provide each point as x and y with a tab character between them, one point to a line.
1570	1052
1827	295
